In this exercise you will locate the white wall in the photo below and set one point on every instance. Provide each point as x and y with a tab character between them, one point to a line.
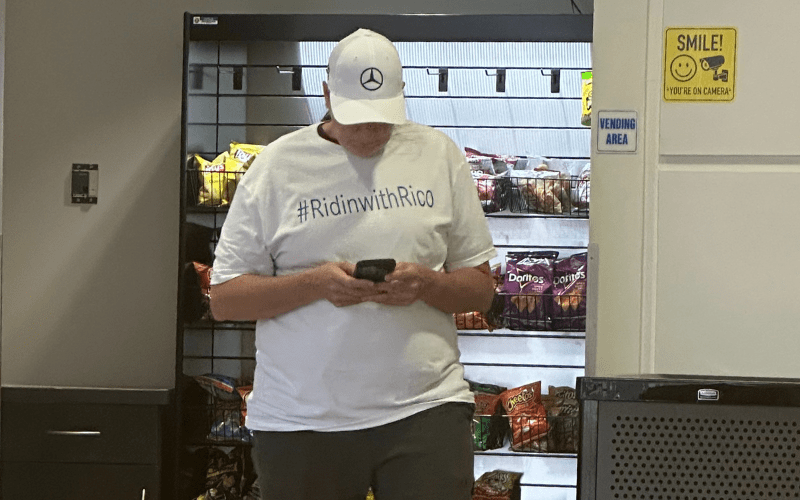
695	235
88	293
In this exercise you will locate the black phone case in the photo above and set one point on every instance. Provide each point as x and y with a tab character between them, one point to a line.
374	269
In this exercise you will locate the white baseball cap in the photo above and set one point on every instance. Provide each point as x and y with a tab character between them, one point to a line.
365	80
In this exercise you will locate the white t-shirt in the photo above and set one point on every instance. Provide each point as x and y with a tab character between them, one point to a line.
306	200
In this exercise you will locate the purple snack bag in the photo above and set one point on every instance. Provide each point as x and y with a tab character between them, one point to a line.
527	287
569	293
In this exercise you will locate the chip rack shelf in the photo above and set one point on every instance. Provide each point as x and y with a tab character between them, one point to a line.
252	78
514	357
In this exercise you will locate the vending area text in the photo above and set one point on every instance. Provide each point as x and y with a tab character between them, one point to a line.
617	124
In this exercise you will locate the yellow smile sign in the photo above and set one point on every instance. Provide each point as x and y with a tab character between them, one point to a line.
699	64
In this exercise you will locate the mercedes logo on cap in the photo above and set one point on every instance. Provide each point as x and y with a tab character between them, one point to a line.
371	79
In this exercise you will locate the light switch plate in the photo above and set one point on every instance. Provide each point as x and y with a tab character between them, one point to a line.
84	183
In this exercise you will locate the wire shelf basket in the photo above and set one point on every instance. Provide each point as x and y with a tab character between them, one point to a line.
525	312
526	433
556	196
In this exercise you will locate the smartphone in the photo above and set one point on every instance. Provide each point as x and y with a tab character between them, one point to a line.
374	269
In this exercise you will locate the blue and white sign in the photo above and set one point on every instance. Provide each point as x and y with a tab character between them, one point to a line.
617	131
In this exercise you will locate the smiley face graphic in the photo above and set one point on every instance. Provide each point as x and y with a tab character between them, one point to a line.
683	68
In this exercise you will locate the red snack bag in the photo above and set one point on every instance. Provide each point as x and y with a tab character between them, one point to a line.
487	172
527	416
244	391
490	191
204	272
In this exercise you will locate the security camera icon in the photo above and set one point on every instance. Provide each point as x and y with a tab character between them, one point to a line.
714	63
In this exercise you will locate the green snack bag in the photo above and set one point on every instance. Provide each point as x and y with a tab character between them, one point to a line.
489	426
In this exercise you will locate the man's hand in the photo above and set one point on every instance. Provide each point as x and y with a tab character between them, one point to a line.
338	285
407	284
463	290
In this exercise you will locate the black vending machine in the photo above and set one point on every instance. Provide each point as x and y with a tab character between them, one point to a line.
686	437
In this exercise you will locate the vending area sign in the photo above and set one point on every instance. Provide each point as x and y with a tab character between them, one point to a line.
699	64
617	131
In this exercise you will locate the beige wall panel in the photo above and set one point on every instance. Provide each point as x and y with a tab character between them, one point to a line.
727	273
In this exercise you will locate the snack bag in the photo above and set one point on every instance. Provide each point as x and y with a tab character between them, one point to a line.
222	175
490	191
586	98
528	417
239	159
479	162
219	386
484	321
489	426
497	485
489	174
526	288
214	494
499	163
581	187
244	154
229	429
540	190
569	293
562	409
213	190
223	473
472	321
244	391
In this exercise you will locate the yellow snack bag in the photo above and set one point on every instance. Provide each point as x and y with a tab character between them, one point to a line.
213	189
244	154
221	176
239	159
586	98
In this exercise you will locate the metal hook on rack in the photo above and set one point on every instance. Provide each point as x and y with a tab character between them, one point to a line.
500	79
297	75
238	77
197	78
443	75
555	80
228	69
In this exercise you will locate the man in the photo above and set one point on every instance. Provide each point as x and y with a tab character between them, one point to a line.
358	384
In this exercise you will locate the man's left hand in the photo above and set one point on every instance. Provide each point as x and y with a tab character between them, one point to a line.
404	286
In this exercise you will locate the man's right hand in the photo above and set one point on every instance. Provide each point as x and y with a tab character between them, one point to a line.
339	286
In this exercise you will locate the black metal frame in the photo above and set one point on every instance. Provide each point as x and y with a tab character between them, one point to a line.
396	27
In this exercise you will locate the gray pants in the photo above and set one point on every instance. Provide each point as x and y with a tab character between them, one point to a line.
427	456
